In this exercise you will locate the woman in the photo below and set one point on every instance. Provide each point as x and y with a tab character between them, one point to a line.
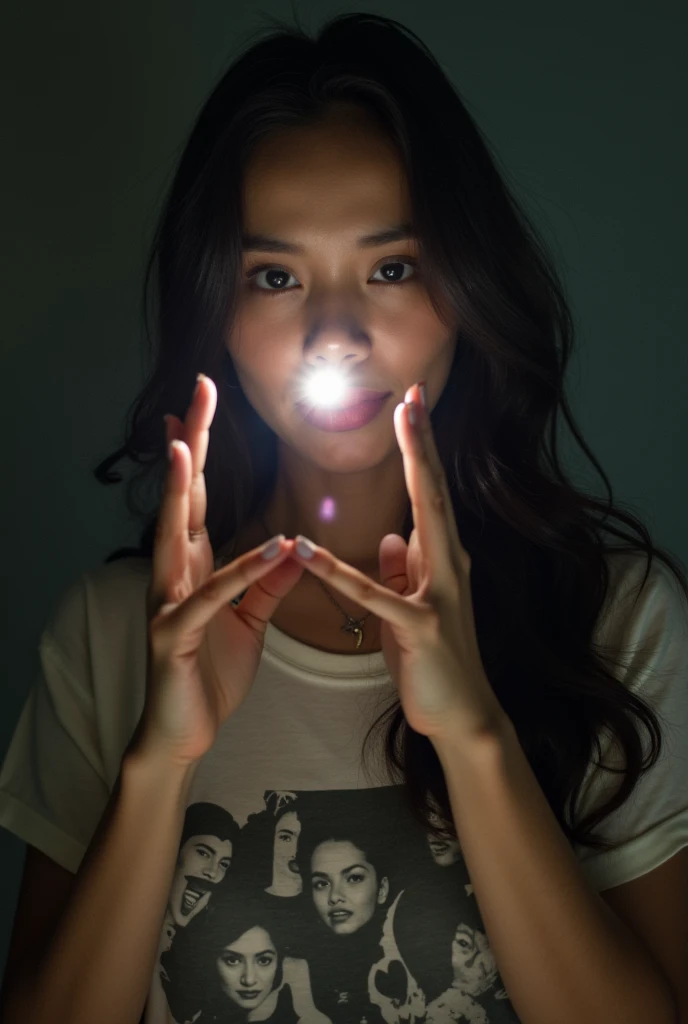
336	207
241	970
269	841
346	875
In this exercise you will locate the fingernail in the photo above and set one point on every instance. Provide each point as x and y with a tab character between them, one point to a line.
272	548
411	413
421	389
304	547
199	378
171	447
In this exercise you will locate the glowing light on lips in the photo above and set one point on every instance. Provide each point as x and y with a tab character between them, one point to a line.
325	389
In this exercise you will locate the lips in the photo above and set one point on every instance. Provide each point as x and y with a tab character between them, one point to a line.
352	417
339	915
354	396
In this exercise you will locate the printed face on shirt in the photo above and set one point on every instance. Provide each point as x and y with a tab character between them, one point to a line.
286	880
345	886
445	852
247	968
473	963
202	864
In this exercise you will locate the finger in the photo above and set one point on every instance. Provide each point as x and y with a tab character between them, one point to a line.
392	557
173	427
171	533
196	434
259	603
424	447
190	617
427	505
405	613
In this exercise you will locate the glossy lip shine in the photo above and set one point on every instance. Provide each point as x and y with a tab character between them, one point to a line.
344	419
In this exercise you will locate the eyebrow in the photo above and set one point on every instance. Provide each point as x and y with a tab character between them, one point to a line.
323	874
262	243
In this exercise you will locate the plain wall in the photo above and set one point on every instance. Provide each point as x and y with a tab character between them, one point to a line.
584	104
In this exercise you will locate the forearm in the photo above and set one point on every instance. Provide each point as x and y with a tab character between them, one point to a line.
562	954
99	963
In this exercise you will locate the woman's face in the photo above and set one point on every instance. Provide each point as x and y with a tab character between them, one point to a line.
473	964
202	863
332	304
286	839
345	886
247	968
445	852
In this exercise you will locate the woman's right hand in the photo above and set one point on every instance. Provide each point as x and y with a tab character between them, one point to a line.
203	654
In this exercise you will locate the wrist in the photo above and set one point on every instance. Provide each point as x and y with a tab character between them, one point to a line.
458	742
144	759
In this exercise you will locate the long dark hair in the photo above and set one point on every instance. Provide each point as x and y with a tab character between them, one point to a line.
538	546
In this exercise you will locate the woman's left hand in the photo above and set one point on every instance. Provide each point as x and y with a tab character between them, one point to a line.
427	627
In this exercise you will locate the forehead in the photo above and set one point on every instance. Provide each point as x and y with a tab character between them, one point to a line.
337	851
290	821
209	841
337	176
256	939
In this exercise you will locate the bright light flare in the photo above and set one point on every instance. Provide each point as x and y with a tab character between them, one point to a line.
325	388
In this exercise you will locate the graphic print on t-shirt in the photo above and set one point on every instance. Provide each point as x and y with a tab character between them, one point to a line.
324	907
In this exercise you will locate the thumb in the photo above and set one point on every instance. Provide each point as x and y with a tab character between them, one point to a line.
392	553
260	600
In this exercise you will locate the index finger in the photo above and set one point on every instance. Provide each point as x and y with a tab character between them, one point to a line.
199	416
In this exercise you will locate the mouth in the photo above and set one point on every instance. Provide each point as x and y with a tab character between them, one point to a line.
190	899
354	396
349	417
338	916
249	994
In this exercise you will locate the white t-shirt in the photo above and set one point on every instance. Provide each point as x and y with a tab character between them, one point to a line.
304	891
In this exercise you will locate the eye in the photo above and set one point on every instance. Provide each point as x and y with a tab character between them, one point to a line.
279	276
396	263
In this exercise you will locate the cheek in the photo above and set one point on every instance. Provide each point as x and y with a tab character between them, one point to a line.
230	973
364	895
267	973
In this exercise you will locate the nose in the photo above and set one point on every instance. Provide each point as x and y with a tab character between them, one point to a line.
336	341
248	977
335	895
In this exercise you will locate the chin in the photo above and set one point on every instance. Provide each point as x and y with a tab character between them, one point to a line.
348	452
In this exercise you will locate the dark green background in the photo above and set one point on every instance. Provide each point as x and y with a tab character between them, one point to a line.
585	105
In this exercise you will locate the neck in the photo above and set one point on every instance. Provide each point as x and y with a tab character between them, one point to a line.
347	513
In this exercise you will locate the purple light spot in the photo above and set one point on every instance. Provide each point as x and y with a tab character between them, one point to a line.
328	510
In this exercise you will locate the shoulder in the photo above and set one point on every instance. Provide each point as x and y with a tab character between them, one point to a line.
114	588
98	622
641	605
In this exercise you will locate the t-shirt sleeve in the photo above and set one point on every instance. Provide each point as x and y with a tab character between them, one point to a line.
53	788
650	626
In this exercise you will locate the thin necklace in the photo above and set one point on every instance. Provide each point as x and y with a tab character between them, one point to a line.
351	625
